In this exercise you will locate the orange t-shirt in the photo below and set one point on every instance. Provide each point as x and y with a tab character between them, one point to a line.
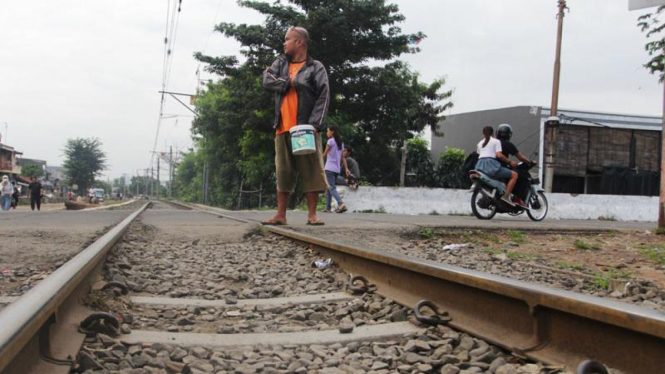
290	104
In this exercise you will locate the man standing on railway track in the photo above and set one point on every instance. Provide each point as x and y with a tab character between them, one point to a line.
302	96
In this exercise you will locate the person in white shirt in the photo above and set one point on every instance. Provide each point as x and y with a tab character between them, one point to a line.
6	191
489	154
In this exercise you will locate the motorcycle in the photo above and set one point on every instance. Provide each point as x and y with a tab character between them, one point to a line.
486	197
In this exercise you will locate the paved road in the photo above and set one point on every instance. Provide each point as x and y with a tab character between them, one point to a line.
298	219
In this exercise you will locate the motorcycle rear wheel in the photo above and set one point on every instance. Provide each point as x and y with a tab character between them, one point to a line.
538	214
479	212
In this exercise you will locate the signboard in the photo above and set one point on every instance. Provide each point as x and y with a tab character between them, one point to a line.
642	4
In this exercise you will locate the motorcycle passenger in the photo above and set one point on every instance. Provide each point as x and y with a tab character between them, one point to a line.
504	132
489	154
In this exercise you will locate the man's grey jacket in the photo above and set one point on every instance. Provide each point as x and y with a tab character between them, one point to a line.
311	85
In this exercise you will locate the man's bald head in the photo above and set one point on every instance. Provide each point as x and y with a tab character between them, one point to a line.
295	42
302	33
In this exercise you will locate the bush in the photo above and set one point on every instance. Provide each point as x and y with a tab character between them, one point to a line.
448	171
419	165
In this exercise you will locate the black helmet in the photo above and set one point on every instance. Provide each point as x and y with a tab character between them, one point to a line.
504	132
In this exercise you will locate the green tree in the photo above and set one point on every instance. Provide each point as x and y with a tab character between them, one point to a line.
119	183
187	183
84	160
448	170
145	185
32	171
653	26
376	107
419	165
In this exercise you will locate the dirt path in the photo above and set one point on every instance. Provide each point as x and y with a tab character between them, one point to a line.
35	243
629	266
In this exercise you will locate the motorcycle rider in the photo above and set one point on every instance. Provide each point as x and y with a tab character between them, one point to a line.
504	132
489	154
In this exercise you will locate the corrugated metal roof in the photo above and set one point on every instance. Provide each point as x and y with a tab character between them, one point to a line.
10	149
612	120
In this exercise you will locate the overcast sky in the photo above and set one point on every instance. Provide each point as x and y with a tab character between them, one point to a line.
81	68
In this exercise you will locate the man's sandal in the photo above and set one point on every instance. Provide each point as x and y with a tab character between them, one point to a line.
316	222
274	222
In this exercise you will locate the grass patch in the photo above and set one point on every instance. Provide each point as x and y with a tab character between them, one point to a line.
659	231
582	245
655	253
426	233
480	237
517	236
492	251
607	218
570	265
517	256
96	300
602	280
610	234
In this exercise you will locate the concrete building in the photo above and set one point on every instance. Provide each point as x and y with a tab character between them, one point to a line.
596	153
31	161
9	161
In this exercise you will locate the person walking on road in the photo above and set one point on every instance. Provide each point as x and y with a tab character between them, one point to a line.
15	196
36	191
6	191
333	155
302	96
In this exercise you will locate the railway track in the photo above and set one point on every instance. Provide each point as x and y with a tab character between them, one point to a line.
211	295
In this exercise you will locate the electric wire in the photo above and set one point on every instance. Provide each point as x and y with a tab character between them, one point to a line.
170	36
197	74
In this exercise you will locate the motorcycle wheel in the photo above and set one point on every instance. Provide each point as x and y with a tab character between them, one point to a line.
540	213
478	211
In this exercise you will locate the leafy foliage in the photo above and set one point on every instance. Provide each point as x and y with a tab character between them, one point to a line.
653	27
448	169
119	183
84	160
32	171
188	178
142	185
419	165
376	107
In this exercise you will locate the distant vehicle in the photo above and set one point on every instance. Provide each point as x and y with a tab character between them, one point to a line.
97	195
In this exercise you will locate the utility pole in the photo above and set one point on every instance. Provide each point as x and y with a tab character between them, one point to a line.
203	183
643	4
402	169
551	125
171	169
159	184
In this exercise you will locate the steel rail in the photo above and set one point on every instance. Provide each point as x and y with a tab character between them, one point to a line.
30	316
538	322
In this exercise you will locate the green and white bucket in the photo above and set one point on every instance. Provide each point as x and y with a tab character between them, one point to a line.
303	141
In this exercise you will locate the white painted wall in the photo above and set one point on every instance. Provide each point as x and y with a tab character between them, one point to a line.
447	201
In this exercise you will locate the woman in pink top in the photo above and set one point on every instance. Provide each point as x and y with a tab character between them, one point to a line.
333	155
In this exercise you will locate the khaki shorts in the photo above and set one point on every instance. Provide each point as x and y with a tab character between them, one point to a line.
289	167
